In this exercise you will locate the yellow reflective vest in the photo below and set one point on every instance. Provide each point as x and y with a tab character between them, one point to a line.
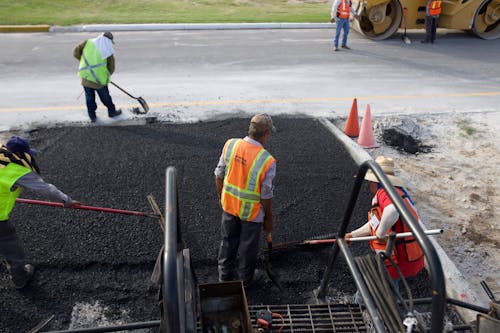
92	66
9	174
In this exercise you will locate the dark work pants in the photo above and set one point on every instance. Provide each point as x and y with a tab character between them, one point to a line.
240	243
105	98
10	247
430	28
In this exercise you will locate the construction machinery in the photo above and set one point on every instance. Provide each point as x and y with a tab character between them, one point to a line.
380	19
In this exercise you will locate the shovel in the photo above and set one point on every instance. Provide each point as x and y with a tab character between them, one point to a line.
139	99
269	270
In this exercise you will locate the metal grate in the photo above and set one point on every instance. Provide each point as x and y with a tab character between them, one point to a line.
314	318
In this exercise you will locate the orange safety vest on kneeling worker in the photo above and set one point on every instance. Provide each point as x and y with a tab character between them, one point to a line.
344	9
435	7
407	254
246	167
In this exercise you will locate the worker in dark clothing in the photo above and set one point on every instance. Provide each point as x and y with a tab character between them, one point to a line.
97	63
432	11
18	169
244	179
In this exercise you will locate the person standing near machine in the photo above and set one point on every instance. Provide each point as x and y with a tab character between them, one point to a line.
244	179
341	11
18	169
97	63
432	11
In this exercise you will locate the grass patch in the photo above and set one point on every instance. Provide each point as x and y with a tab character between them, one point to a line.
73	12
465	128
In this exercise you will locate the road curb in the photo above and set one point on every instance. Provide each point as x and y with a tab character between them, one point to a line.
162	27
25	28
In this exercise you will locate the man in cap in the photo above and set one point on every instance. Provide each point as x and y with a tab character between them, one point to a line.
97	63
244	179
18	169
384	218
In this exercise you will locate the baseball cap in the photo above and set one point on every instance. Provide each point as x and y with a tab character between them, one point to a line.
17	144
109	35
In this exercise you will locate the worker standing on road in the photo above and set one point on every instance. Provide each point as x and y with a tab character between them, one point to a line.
341	11
97	63
384	218
18	169
244	179
432	11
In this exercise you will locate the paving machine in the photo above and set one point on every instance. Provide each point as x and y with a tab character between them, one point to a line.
381	19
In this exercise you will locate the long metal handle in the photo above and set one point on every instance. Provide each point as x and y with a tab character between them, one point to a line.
83	207
122	89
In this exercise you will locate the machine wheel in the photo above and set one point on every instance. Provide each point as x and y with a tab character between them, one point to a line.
380	21
487	20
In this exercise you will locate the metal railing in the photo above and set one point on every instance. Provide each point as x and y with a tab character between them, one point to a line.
438	299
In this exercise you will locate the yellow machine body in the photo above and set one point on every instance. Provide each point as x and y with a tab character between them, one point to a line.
380	19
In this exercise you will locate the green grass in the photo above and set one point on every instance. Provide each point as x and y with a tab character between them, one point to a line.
75	12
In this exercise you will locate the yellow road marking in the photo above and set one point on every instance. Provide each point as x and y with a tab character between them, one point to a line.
263	101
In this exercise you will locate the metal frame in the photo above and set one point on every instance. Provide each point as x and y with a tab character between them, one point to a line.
438	299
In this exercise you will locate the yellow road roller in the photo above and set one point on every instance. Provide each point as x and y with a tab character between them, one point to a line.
381	19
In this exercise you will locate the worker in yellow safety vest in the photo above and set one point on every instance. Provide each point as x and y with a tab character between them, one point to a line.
244	179
432	12
97	63
18	169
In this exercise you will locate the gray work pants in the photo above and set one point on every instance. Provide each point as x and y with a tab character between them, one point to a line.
240	244
11	249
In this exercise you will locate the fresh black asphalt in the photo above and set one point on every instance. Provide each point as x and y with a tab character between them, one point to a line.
84	256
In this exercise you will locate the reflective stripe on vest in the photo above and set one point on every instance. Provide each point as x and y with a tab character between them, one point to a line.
344	9
92	66
245	168
435	7
412	248
8	177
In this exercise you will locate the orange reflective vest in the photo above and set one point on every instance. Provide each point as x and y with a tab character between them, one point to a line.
435	7
407	254
344	9
246	167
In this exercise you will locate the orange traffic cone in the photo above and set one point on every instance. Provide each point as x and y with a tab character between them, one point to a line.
352	125
366	138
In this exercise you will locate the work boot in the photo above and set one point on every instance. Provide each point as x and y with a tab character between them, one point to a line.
116	113
336	49
346	47
259	276
22	275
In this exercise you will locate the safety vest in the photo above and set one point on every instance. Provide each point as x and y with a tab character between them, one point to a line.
92	66
246	167
435	7
407	246
9	174
344	9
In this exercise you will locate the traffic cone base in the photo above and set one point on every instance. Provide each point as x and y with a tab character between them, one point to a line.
352	125
366	138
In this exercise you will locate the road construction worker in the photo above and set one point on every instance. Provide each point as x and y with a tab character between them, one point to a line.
97	63
384	218
18	169
432	11
244	179
341	11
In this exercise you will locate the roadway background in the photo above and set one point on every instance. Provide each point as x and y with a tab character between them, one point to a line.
192	75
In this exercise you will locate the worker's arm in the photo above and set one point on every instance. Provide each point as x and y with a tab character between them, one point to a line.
111	64
219	183
362	231
267	204
78	50
35	183
219	173
389	217
266	196
333	13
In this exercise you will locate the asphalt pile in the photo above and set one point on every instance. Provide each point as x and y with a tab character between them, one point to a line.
83	256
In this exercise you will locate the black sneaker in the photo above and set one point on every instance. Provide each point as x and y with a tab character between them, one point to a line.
116	113
21	281
346	47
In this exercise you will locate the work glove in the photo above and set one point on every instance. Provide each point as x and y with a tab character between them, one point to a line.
332	20
381	240
70	203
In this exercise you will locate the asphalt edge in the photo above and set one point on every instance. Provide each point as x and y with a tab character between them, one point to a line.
457	286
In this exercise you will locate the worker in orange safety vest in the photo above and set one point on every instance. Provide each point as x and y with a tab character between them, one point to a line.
432	12
244	179
341	11
384	218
